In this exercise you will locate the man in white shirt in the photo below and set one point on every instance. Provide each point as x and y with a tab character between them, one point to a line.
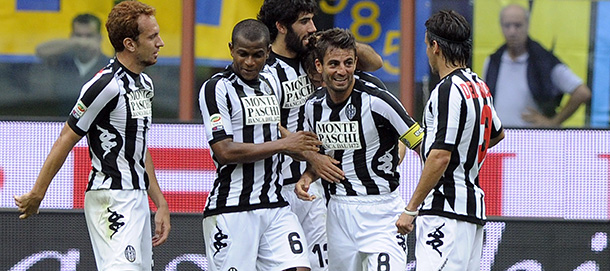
527	81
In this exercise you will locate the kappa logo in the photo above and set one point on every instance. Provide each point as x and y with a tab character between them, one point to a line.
218	238
130	253
385	162
107	140
402	241
115	224
436	241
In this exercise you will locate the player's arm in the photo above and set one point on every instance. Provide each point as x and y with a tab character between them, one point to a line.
302	186
228	152
162	222
494	141
368	59
28	203
434	167
402	151
320	165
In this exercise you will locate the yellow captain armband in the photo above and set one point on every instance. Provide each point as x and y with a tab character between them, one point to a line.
413	136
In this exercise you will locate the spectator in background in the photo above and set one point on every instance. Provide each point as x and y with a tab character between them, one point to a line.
69	63
528	81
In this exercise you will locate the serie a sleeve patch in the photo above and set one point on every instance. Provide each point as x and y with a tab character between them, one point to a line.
413	136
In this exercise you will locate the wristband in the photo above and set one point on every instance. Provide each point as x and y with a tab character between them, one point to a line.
411	213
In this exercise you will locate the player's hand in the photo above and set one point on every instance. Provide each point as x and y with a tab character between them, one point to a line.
326	167
302	187
405	224
301	141
27	204
162	226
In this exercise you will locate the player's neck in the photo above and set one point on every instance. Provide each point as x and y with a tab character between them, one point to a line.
129	62
445	70
279	47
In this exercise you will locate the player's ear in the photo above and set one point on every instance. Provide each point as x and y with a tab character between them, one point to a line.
281	28
319	66
129	44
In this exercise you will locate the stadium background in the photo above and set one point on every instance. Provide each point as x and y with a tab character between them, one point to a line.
547	190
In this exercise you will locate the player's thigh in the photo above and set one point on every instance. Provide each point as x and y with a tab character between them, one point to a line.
231	240
343	251
119	227
477	249
283	244
444	242
379	240
312	216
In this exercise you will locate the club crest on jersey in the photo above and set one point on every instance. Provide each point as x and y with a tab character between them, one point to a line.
261	109
216	122
140	103
296	91
350	111
339	135
79	109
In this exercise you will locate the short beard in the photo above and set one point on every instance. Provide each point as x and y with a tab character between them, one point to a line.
294	43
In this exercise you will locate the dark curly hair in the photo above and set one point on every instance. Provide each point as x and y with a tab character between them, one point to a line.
286	12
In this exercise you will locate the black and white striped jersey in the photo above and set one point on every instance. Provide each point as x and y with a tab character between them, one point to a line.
114	111
459	117
247	112
294	90
362	133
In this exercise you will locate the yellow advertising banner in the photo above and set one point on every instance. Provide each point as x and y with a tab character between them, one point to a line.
26	23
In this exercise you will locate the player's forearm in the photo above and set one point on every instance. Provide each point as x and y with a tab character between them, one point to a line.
368	59
55	160
154	190
435	166
236	152
494	141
